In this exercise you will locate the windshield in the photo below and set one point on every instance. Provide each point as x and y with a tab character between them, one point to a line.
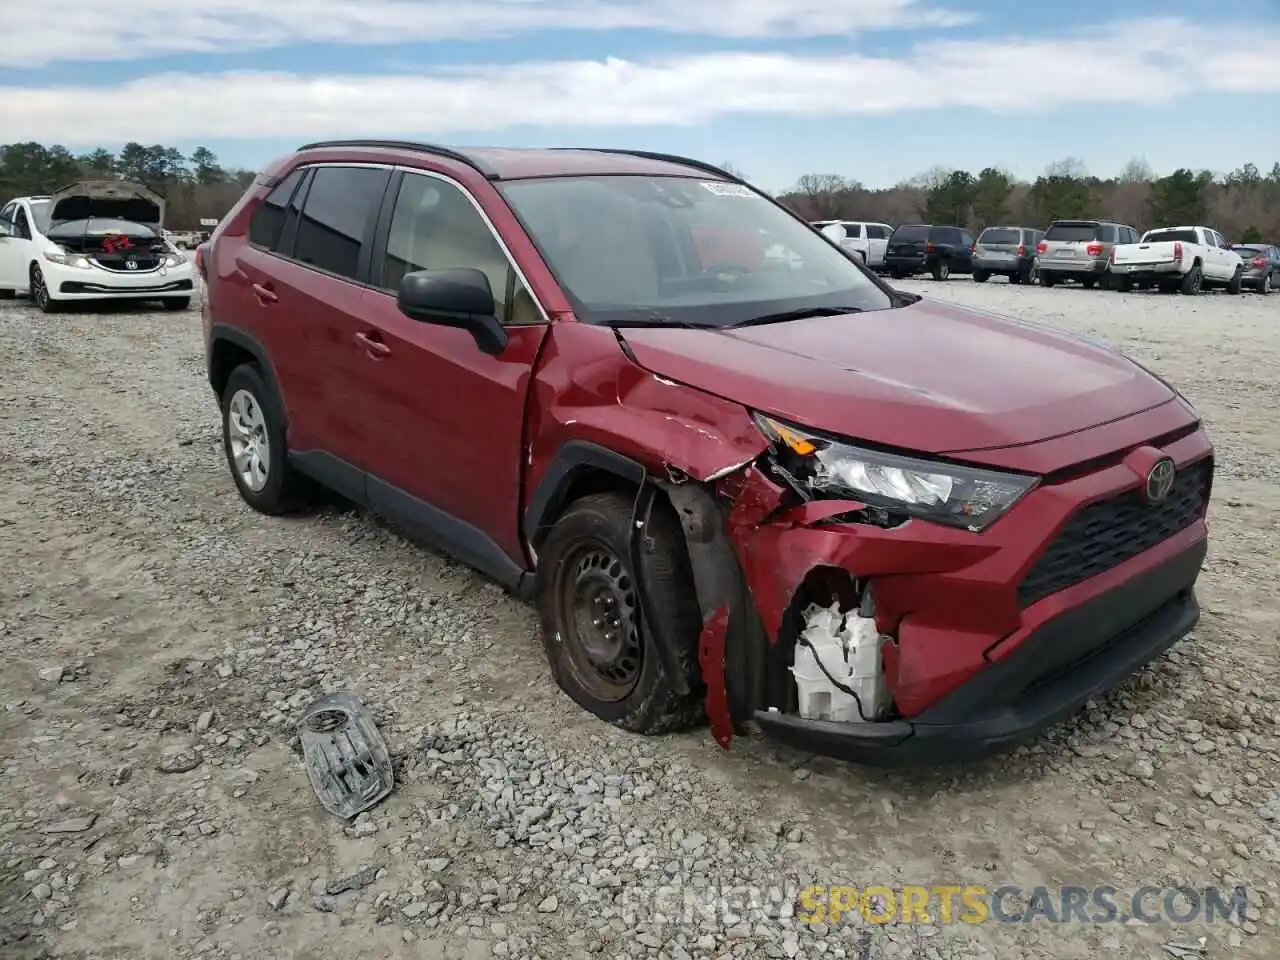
1000	235
40	215
1171	236
683	251
1072	232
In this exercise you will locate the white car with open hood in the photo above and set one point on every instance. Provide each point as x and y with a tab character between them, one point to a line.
92	240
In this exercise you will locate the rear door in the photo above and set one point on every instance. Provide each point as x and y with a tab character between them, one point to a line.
909	241
877	242
445	420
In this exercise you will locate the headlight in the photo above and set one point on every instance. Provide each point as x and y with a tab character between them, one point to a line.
59	256
943	493
174	260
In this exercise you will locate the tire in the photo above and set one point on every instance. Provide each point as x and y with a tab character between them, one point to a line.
283	490
1264	288
589	549
897	274
1122	284
1236	283
981	276
40	295
941	270
1089	282
1192	281
1047	279
176	303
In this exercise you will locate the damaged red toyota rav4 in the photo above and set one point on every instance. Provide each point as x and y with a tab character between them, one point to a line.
743	478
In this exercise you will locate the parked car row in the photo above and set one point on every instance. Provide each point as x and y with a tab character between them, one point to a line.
1187	259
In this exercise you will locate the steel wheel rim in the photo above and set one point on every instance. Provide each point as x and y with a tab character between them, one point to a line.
597	607
247	437
39	288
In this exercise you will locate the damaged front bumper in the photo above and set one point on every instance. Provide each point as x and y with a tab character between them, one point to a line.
980	655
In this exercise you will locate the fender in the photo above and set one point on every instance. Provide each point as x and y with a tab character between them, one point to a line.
570	462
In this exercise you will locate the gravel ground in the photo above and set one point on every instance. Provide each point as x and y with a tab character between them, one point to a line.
148	618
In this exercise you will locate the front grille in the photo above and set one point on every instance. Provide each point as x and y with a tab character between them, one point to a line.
117	263
1107	533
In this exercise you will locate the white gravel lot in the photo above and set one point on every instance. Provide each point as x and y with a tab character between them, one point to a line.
137	594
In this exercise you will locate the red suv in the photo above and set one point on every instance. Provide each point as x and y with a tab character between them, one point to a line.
742	477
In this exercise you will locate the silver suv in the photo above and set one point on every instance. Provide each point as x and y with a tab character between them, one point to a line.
1078	250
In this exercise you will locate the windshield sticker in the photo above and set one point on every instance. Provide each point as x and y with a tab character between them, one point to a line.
729	189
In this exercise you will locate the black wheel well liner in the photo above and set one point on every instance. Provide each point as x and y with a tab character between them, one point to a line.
578	468
230	347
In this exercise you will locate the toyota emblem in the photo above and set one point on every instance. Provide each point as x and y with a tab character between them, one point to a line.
131	264
1160	480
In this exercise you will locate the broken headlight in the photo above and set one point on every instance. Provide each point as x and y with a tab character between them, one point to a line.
944	493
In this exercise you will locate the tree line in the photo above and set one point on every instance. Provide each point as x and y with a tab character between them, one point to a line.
1244	205
195	187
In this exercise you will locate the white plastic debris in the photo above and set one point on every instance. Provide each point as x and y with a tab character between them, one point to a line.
848	646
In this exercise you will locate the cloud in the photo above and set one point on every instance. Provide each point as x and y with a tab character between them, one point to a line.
156	27
1139	62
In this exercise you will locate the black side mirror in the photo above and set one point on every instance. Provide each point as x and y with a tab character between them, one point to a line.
460	297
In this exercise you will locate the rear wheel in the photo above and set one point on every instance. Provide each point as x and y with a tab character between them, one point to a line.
981	276
941	270
253	439
1047	279
1089	282
589	604
1122	284
1192	281
1264	288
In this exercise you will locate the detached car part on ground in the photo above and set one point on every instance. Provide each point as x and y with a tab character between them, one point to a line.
777	493
92	240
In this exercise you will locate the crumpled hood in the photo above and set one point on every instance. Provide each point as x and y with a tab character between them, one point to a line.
106	199
931	377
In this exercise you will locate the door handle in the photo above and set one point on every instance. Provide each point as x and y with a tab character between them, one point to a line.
264	294
374	347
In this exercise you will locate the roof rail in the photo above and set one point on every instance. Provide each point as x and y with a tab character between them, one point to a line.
414	145
663	157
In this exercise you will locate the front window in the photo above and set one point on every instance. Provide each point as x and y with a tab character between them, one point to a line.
40	215
670	250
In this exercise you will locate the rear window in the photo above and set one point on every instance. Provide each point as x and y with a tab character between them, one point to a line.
1171	236
1252	251
912	232
1072	232
944	234
1001	235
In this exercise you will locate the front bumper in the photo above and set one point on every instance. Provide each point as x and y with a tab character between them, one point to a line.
1011	701
997	635
95	283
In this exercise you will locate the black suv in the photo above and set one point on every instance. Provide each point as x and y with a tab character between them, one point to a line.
921	248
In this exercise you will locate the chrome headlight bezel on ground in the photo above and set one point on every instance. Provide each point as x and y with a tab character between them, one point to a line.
825	467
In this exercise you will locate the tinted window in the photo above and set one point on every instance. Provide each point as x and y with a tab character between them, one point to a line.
944	234
434	226
1000	235
911	232
653	249
1170	236
340	203
877	233
265	224
22	225
1244	250
1072	231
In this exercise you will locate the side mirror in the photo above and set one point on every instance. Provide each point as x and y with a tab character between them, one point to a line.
461	298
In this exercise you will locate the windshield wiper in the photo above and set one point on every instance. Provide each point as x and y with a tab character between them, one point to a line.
787	315
655	320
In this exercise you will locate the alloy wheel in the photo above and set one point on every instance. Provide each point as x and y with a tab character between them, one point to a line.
250	445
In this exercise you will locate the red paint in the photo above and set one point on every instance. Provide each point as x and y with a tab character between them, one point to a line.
114	243
473	434
711	660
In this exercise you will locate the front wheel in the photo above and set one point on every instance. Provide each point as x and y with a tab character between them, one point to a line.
1236	283
941	270
40	295
589	604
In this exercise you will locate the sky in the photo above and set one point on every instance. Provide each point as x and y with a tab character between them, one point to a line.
875	90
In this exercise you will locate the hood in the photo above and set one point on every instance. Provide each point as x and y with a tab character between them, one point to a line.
98	227
930	377
106	199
